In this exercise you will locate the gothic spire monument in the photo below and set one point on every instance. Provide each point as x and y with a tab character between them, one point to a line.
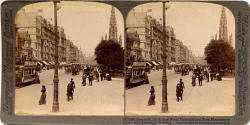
113	26
223	33
112	35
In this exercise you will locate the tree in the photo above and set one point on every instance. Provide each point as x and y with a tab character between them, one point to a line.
109	55
220	54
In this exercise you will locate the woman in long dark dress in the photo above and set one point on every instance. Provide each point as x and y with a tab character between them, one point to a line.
84	79
43	96
151	100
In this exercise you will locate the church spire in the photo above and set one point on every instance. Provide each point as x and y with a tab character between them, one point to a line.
223	34
113	26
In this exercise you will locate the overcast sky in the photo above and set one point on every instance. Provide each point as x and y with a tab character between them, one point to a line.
194	22
84	22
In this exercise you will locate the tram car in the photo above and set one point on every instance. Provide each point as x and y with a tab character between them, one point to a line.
136	74
26	74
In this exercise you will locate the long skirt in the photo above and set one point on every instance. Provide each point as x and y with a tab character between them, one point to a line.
179	95
84	82
193	82
42	99
151	100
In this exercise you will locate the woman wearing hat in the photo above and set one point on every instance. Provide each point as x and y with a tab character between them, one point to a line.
43	96
151	100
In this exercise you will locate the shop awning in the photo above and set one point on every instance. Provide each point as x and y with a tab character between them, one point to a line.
39	63
46	63
52	63
149	63
154	63
159	63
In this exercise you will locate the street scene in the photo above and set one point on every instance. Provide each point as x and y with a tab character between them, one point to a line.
180	60
69	59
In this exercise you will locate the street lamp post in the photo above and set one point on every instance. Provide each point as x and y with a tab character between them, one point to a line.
164	107
55	106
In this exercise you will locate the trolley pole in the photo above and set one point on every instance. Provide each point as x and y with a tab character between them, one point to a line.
164	107
55	106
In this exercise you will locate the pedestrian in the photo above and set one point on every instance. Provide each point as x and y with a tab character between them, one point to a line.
101	75
207	75
108	77
90	79
84	80
151	100
182	86
104	75
200	79
69	91
218	76
42	100
194	80
72	85
179	90
97	76
212	75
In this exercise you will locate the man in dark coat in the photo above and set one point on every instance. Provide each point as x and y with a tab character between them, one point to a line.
84	80
211	75
182	86
108	77
207	75
101	75
193	79
69	91
179	90
200	79
97	76
72	86
90	79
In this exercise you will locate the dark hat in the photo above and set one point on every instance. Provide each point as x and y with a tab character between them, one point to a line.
180	79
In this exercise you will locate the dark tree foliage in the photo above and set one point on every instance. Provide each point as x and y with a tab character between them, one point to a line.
109	55
220	54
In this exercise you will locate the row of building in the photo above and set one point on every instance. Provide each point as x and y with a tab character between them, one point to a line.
35	39
145	40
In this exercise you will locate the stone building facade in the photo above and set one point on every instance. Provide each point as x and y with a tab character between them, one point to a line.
41	33
150	33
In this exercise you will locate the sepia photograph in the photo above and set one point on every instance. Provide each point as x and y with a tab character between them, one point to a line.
180	60
69	59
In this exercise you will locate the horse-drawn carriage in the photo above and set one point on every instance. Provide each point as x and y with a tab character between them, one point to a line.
67	68
75	68
177	68
185	68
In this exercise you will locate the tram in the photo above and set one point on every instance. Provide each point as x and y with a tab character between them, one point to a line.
136	74
26	74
